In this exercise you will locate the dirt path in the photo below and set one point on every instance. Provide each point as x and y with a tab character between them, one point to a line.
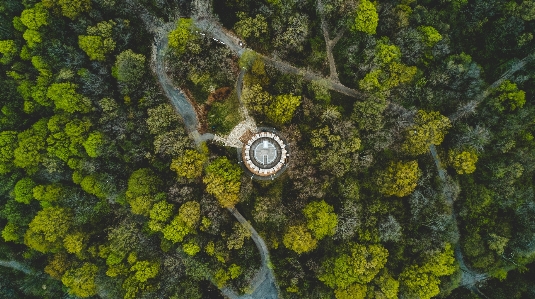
209	25
470	107
469	279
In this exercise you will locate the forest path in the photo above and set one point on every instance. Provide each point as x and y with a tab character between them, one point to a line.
263	285
208	24
469	278
470	107
17	266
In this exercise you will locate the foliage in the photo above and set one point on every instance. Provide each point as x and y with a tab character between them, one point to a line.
507	96
464	162
223	181
9	49
353	291
94	144
66	98
189	165
282	108
251	27
357	263
81	281
184	223
183	35
366	18
34	17
69	8
429	128
47	230
299	239
8	144
399	179
130	68
321	219
430	35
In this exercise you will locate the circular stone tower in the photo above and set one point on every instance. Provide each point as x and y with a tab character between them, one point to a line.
264	154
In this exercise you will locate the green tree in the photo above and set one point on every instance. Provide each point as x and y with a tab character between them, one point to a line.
24	190
31	144
32	37
256	99
96	47
130	68
142	182
399	179
159	214
74	243
299	239
182	35
47	230
49	193
10	232
282	108
507	96
251	27
354	291
321	219
422	281
8	144
69	8
464	162
145	270
223	181
189	165
184	223
366	19
96	185
34	17
9	50
81	281
355	264
430	35
429	128
66	98
94	144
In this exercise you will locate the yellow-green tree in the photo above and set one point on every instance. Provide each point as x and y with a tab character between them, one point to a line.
81	281
184	35
46	231
464	162
354	291
251	27
143	184
24	190
366	19
422	281
159	214
184	223
69	8
507	96
66	98
429	128
282	108
399	179
9	50
223	181
430	35
321	219
34	17
299	239
355	264
8	144
189	165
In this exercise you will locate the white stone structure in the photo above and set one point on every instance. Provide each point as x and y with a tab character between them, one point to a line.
264	154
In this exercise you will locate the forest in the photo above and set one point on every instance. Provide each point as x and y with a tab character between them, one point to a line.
410	125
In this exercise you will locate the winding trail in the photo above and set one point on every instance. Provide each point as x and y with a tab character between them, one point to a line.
470	107
264	285
469	278
17	266
209	25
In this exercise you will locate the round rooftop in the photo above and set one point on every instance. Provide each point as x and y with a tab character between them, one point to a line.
265	154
